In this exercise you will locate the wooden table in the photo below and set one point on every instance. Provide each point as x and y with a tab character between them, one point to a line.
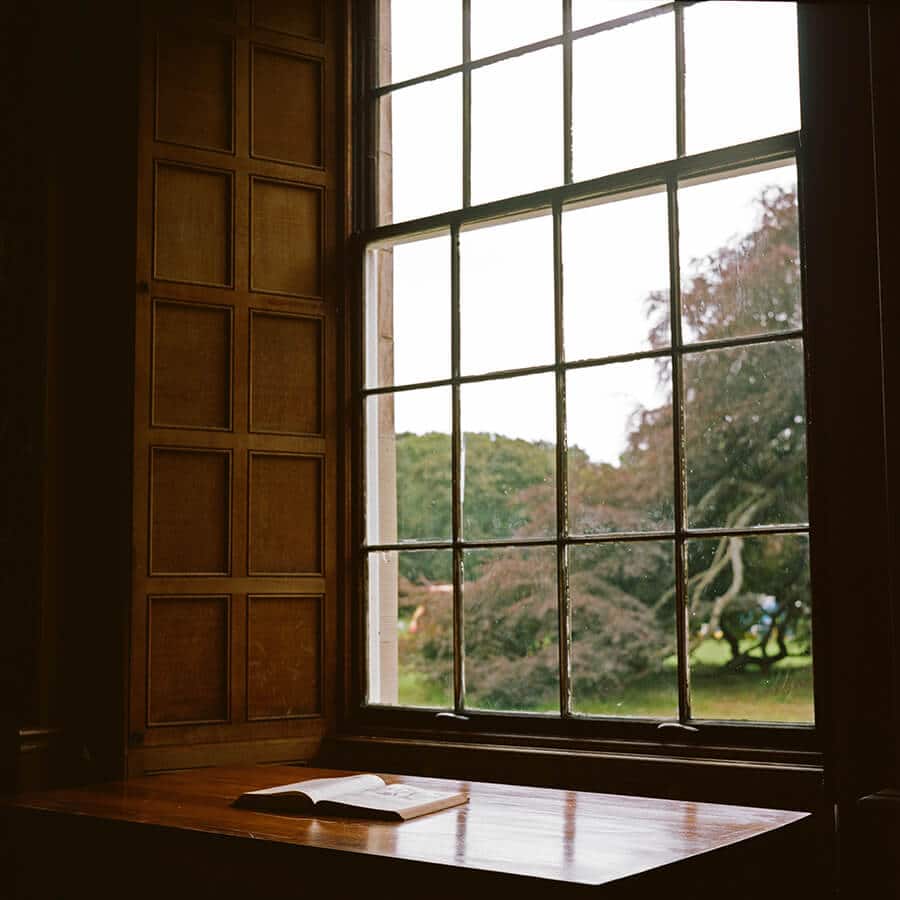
177	835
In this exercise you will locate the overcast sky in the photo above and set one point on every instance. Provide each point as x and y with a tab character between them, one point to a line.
742	83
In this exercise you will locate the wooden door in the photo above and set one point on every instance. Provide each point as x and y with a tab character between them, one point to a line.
233	607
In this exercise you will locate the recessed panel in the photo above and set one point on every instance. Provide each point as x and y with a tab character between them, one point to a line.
286	374
191	365
284	640
190	502
193	225
302	18
188	665
287	107
201	10
286	252
285	514
194	91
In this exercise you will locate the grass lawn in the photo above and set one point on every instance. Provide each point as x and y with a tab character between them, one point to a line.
784	695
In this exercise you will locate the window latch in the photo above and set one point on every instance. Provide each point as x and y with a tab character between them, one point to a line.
678	726
450	715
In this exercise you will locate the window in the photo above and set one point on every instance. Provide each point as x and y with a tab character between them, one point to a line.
584	384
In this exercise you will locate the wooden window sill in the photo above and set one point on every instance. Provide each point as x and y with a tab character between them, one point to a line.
177	833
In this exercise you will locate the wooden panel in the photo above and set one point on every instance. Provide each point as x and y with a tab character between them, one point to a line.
193	225
201	10
287	107
189	660
285	528
189	510
194	91
286	238
284	653
191	365
285	373
302	18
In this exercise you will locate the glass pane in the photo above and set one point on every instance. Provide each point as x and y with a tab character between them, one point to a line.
745	436
506	296
410	657
509	457
408	486
417	37
741	73
511	629
616	277
740	255
619	428
499	25
408	312
623	98
591	12
517	140
624	659
420	150
750	628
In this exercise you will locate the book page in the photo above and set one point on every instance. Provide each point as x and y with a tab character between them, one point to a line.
403	799
317	789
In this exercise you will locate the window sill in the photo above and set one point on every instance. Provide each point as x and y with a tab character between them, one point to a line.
782	779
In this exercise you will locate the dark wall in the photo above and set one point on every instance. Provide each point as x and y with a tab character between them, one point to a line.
67	241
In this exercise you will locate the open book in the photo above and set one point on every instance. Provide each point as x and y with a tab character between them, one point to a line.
360	796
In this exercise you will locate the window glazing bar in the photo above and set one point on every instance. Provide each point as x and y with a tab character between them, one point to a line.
766	151
467	103
657	353
679	80
459	688
563	601
681	624
612	537
468	64
567	91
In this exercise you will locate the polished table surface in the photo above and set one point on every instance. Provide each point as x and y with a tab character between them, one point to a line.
569	837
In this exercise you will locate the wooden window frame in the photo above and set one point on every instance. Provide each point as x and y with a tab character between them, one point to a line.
834	76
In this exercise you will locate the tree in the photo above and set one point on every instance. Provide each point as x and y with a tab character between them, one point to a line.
744	438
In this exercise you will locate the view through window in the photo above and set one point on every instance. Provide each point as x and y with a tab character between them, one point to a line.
584	401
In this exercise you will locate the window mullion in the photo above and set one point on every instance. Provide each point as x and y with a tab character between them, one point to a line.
567	91
681	624
467	102
459	688
562	491
679	81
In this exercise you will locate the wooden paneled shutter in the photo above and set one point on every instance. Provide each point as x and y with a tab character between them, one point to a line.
233	606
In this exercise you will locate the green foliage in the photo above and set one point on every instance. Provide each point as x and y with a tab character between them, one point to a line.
745	442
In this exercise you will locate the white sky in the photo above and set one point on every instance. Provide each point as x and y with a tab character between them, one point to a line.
741	82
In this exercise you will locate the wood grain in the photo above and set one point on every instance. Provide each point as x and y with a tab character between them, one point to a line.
526	837
285	530
191	365
285	374
302	18
194	87
188	656
284	656
193	225
287	107
235	436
